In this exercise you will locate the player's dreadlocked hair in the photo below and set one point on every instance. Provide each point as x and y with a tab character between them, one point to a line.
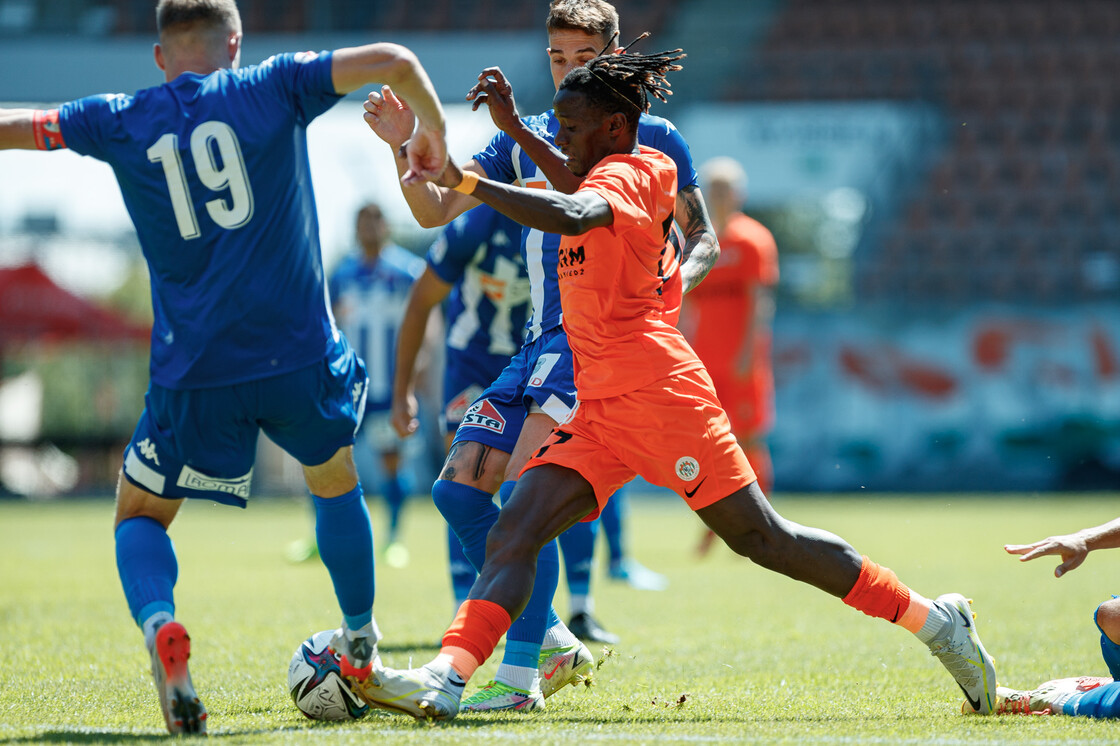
625	81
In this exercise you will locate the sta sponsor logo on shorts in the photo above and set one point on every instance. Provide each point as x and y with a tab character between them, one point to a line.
483	414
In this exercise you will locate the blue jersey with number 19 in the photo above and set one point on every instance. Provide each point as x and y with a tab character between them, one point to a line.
214	173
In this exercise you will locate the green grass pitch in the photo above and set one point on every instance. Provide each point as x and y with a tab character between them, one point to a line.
728	654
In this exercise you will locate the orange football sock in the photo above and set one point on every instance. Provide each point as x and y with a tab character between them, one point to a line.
473	635
879	593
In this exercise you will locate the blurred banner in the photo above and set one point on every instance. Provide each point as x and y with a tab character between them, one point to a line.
984	398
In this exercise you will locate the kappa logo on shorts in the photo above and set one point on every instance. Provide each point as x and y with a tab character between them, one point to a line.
148	450
687	468
483	414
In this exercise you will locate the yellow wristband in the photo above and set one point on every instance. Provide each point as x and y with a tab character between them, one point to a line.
469	182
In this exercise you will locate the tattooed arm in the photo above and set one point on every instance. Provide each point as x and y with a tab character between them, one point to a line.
701	248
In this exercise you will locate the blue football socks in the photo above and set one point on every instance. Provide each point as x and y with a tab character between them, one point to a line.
523	640
147	567
345	538
612	517
1102	702
462	574
578	545
470	512
393	491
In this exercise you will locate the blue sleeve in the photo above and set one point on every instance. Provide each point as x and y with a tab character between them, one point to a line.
84	123
306	79
660	134
497	159
449	256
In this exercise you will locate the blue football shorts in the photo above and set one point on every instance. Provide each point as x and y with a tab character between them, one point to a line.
1110	651
466	375
538	378
202	442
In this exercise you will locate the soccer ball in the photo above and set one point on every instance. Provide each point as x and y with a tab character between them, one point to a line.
316	683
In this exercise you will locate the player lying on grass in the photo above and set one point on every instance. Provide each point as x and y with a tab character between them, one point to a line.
1089	696
646	406
213	169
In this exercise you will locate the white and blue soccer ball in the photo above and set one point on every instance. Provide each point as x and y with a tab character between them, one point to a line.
316	682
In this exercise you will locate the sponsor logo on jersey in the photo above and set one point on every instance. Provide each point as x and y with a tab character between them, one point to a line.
544	365
303	57
148	450
483	414
193	480
571	257
687	468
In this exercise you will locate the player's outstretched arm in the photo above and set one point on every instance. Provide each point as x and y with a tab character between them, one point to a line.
393	65
547	211
494	90
701	247
427	292
392	120
28	129
1072	548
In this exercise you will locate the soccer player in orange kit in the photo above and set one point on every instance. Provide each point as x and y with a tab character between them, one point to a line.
646	406
728	317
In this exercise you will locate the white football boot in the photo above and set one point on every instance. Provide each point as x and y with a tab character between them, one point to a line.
962	653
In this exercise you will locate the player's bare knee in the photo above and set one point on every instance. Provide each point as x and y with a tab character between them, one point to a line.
475	465
1108	618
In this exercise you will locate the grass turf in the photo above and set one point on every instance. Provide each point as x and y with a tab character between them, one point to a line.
729	653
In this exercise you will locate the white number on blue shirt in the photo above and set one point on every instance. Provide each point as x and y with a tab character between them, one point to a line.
231	175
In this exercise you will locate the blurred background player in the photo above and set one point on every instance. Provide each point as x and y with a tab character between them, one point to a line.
728	318
213	169
514	416
476	266
369	290
1088	696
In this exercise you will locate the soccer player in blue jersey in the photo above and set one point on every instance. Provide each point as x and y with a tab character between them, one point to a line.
214	172
1086	696
369	291
536	391
475	265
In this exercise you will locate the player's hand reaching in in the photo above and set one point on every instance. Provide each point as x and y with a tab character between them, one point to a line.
389	117
402	415
1072	548
494	90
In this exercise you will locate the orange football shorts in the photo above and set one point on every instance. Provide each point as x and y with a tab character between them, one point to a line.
673	433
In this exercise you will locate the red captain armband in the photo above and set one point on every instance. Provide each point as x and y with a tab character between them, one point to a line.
48	135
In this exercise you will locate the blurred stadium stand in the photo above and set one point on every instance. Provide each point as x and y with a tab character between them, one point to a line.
124	17
1021	202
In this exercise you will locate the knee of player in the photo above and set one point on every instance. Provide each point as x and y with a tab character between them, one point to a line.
475	465
1108	619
